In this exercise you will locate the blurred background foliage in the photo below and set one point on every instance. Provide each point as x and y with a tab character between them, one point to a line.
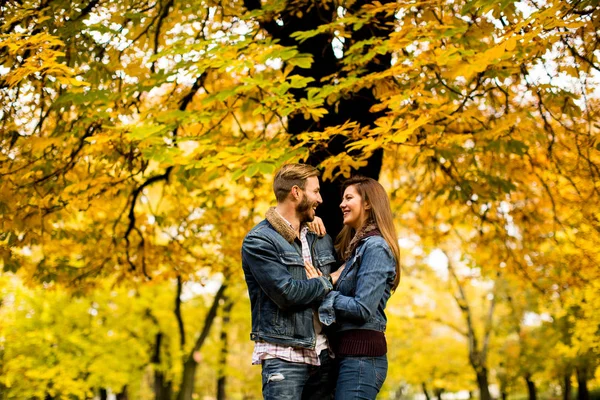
139	139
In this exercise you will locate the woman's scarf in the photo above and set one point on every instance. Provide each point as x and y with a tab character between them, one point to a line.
368	229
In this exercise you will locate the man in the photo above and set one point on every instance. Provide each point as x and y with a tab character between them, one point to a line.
288	339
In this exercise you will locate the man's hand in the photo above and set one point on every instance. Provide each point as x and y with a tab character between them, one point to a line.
311	271
316	226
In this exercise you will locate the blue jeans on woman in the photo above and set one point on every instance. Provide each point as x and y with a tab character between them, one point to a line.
360	377
284	380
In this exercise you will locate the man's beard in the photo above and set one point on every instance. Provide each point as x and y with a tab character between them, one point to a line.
303	211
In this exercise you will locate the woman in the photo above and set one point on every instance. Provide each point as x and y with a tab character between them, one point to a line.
368	244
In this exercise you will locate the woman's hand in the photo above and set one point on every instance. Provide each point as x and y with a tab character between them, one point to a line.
336	275
317	226
311	271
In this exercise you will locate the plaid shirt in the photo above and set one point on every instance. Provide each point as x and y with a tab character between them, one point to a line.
264	350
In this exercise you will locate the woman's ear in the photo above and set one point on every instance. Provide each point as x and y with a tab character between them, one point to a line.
367	206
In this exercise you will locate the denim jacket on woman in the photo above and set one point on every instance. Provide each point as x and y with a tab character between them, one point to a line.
363	289
281	298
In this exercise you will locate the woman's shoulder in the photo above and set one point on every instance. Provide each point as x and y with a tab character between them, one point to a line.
377	250
375	241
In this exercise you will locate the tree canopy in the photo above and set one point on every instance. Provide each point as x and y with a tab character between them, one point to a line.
139	139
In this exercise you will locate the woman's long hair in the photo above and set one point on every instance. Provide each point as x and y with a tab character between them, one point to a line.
380	213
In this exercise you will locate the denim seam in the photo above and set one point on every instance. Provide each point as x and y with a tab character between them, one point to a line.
360	373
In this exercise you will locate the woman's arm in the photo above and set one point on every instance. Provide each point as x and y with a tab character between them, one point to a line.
377	267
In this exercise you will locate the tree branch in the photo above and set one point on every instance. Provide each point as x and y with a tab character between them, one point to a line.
178	312
208	320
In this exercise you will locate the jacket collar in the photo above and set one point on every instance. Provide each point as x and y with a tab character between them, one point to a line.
367	230
281	225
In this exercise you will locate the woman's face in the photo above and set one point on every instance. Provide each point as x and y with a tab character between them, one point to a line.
353	208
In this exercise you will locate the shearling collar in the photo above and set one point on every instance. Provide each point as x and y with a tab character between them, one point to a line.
281	225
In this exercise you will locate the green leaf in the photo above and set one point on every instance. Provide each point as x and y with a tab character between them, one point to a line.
266	168
302	62
251	171
145	131
237	174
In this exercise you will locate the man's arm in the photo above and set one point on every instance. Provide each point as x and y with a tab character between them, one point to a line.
274	278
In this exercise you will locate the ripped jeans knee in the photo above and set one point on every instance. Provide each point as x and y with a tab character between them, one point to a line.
282	380
276	377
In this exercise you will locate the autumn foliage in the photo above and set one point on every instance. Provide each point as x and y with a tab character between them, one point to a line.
138	140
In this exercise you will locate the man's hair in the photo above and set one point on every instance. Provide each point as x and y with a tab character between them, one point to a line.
291	175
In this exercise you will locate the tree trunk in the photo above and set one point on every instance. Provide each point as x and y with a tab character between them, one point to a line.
530	388
222	375
566	386
186	389
503	394
302	16
482	383
187	381
163	389
122	395
103	394
425	392
399	393
582	378
438	393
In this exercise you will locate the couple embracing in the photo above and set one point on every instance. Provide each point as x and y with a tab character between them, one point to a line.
297	292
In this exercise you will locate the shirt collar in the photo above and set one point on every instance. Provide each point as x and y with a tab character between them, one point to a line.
303	228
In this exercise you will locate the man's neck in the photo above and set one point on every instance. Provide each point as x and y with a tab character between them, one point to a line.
288	211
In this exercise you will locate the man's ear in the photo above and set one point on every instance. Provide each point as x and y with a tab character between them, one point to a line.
295	192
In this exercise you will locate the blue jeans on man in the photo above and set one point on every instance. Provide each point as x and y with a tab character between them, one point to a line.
284	380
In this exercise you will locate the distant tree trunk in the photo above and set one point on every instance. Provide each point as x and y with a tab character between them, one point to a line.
483	384
187	384
222	375
566	385
582	378
503	394
438	393
103	394
163	389
122	395
190	364
425	392
477	354
399	393
530	388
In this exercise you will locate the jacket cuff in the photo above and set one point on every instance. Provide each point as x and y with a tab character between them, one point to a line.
326	283
326	310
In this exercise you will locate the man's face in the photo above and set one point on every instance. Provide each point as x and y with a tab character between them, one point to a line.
311	198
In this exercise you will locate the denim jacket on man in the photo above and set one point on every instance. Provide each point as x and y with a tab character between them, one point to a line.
363	289
281	298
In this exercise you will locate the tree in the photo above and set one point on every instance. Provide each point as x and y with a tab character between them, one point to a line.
134	133
57	346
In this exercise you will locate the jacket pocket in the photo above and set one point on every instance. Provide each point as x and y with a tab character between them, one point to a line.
324	259
294	263
291	258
